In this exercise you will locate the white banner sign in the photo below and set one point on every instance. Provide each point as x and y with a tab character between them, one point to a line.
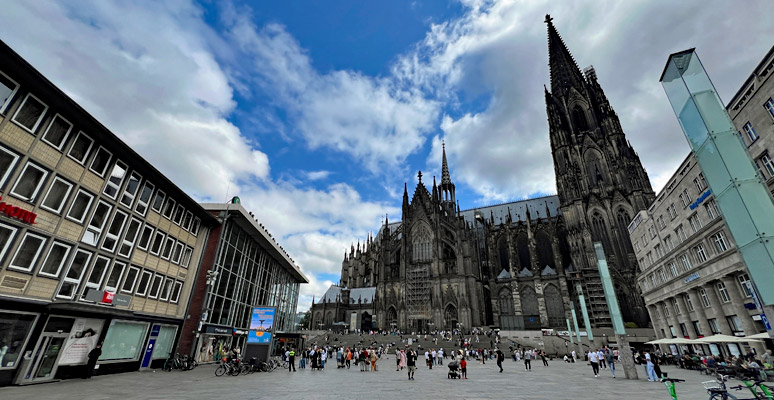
83	338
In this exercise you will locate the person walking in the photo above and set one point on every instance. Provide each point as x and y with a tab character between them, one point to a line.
601	356
348	358
292	360
543	357
323	357
594	361
411	362
650	368
574	356
403	361
374	357
528	360
94	355
440	356
397	359
463	368
610	361
500	359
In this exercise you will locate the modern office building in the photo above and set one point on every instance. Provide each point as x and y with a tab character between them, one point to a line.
95	243
243	267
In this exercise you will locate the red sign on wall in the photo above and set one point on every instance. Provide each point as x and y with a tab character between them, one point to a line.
16	212
107	297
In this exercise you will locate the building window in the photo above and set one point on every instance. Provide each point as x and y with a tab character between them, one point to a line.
659	253
675	306
114	278
712	209
704	297
701	255
8	160
652	232
28	252
686	262
170	243
130	191
131	278
660	221
179	212
114	231
30	113
645	286
97	223
662	275
767	163
176	292
637	247
650	258
80	206
155	286
695	222
74	275
145	279
720	242
684	330
735	325
653	280
130	237
29	182
8	88
673	270
769	106
81	148
147	234
145	196
723	292
57	195
7	233
101	161
688	302
744	282
186	256
668	243
178	252
57	132
55	259
680	232
713	324
115	179
748	129
187	220
195	226
697	328
158	201
666	310
685	198
97	274
169	208
158	241
644	240
672	211
700	183
166	290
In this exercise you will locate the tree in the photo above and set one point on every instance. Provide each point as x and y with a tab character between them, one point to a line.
304	323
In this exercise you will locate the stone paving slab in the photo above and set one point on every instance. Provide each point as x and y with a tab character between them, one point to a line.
557	381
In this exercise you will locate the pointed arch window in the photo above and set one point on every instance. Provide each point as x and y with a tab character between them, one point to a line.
422	244
599	231
623	219
579	119
502	252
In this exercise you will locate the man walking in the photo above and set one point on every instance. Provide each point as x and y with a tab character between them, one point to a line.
594	361
93	357
292	360
527	360
610	361
500	359
411	363
650	368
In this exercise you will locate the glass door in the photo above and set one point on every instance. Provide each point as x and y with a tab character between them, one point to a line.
50	347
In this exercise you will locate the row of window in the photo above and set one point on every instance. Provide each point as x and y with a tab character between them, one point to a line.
721	291
682	264
748	128
733	323
30	115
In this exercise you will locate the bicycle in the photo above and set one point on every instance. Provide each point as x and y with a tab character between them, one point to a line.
755	384
718	391
172	362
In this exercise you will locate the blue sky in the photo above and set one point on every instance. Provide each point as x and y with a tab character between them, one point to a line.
316	112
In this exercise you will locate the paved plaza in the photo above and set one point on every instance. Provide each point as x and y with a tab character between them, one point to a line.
557	381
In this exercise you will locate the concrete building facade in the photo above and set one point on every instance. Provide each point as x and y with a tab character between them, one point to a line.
96	245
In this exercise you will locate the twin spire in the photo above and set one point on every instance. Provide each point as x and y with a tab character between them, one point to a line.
564	70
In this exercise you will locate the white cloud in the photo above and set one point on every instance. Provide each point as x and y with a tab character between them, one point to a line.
317	175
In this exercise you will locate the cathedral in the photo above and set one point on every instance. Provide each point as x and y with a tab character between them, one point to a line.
518	265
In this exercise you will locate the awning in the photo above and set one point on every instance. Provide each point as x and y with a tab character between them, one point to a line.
723	339
763	335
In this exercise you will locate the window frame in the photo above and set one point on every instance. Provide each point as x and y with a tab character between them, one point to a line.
151	295
719	240
14	230
116	238
37	188
147	285
195	226
11	168
701	253
163	195
127	242
768	105
97	231
107	165
138	272
745	284
65	199
171	208
131	196
177	218
686	261
62	262
187	221
767	162
40	118
750	131
185	261
64	138
35	258
723	294
102	278
177	256
9	100
73	281
114	265
161	245
171	247
146	204
705	301
87	209
88	149
109	184
177	287
150	238
164	295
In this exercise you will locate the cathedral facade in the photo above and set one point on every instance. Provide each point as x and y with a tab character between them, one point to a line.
516	265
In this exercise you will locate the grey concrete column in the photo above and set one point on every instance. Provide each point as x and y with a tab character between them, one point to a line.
738	300
715	310
659	323
698	308
685	316
673	316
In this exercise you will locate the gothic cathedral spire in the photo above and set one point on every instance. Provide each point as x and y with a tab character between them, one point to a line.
447	187
599	179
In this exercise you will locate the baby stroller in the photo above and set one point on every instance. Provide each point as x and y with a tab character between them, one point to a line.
453	370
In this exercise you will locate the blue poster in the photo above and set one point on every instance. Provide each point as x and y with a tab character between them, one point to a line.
261	325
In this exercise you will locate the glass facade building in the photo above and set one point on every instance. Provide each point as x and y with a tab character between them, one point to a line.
243	268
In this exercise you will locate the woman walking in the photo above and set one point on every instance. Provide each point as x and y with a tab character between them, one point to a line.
402	359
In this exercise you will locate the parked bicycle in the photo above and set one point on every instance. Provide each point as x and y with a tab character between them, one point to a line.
231	367
718	390
670	385
182	363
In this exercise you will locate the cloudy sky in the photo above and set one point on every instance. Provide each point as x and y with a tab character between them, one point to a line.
316	112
